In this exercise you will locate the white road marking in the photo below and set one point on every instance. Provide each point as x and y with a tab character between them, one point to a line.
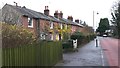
102	58
101	54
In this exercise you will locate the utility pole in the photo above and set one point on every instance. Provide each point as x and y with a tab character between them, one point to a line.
93	21
96	40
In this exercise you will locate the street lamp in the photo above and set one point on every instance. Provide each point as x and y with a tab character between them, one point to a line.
94	27
94	20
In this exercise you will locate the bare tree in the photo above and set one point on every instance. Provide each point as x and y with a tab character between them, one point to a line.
116	18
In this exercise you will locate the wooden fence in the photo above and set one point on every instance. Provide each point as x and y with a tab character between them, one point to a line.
43	54
0	57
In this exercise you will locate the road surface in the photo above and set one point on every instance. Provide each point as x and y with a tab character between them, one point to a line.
110	48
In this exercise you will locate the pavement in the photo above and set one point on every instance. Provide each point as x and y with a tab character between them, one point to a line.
87	55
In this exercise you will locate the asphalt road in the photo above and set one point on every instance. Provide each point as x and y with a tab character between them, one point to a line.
110	48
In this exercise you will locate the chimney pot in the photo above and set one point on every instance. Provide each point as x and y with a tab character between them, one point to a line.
60	11
46	11
47	7
56	11
16	4
56	14
60	14
70	18
24	7
77	20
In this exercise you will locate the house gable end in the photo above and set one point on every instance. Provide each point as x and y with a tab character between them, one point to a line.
10	15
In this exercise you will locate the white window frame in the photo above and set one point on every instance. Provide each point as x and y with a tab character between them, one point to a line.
61	26
31	26
51	37
51	25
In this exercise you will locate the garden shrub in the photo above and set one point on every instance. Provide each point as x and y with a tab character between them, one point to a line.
65	36
67	44
81	39
13	35
79	36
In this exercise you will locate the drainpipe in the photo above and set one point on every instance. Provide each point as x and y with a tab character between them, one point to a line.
38	29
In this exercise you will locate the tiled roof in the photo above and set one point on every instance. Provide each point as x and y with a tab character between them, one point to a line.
34	14
28	12
31	13
66	21
70	22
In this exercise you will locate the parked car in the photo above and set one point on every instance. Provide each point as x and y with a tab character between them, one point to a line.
104	35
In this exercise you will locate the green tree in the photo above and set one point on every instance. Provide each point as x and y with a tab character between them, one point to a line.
103	25
116	19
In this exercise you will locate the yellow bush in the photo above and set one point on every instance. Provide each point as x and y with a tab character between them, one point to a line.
13	35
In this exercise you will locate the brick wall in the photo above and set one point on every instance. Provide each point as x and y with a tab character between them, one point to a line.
25	24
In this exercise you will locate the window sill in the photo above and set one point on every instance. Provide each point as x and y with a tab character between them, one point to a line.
30	26
51	28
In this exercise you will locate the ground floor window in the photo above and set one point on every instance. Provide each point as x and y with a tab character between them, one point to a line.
51	36
60	37
57	37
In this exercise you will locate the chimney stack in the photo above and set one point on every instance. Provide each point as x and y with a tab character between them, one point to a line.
70	18
77	20
60	14
46	11
56	14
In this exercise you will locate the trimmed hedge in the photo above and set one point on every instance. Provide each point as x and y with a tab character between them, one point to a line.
81	39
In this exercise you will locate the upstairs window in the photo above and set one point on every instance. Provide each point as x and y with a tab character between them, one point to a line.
30	22
51	25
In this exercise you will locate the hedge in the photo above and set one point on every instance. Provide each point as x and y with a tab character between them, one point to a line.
81	39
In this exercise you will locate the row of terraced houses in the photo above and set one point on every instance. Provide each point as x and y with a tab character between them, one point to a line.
43	25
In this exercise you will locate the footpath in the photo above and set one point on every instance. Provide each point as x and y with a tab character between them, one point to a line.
87	55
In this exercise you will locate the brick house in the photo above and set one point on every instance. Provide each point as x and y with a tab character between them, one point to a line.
28	18
43	25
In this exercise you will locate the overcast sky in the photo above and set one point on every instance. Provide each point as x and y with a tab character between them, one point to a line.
79	9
